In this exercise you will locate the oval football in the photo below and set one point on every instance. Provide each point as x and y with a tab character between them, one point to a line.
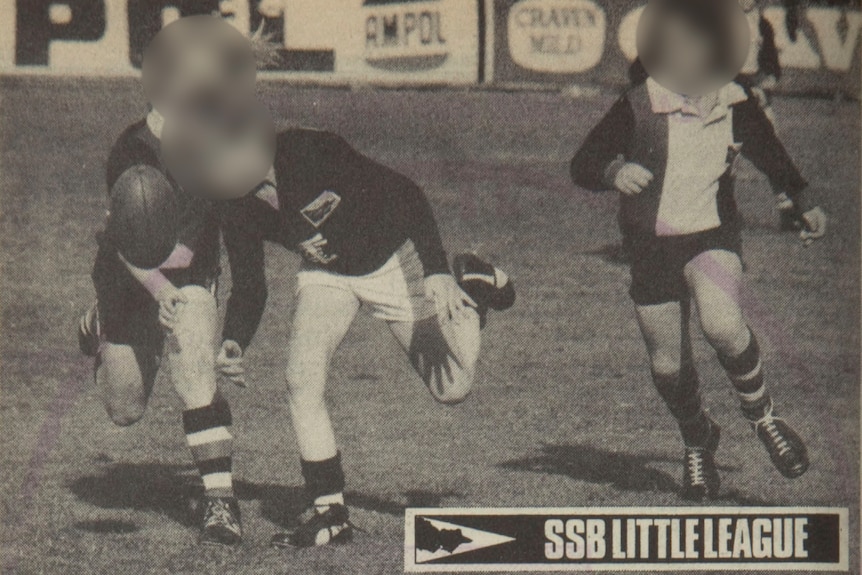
144	216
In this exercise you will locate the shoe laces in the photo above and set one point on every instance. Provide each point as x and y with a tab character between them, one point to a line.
218	512
767	422
695	465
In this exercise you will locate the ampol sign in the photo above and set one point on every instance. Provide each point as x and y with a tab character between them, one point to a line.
567	41
329	41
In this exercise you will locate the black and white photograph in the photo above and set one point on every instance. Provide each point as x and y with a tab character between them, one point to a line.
430	286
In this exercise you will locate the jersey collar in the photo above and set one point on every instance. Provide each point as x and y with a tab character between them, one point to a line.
710	108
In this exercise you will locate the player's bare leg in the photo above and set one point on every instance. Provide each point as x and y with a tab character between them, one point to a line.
321	319
665	329
125	376
445	351
190	356
444	355
715	280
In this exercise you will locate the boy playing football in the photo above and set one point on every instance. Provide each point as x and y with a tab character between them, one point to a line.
368	238
157	263
670	156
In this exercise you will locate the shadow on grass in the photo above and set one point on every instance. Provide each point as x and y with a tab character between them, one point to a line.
175	491
412	498
107	526
611	253
621	470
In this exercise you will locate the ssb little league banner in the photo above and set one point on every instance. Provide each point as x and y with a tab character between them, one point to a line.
684	539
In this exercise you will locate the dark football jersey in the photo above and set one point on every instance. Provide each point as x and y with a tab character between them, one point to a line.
338	209
198	233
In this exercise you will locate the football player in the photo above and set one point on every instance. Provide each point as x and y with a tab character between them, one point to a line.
670	157
368	238
157	264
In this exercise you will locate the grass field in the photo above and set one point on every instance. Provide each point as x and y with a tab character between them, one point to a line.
564	413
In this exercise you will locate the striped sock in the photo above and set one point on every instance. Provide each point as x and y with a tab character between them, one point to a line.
746	374
212	445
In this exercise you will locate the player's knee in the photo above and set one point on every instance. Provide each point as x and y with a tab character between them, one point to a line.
307	367
452	390
665	362
122	386
304	390
124	414
727	333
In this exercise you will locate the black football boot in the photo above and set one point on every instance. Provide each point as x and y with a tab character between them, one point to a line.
221	522
786	449
316	528
700	479
478	279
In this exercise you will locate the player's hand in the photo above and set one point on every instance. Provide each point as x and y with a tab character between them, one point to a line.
271	8
814	221
170	301
632	179
449	299
229	363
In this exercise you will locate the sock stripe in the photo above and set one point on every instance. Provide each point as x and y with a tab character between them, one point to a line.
331	499
221	480
753	374
753	397
216	414
489	279
217	465
214	450
212	435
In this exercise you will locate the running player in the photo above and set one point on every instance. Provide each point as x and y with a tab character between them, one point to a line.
671	159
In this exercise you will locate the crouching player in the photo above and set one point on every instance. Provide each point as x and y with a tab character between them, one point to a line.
368	238
157	263
671	158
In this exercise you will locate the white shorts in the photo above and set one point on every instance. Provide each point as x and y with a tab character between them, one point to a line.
395	292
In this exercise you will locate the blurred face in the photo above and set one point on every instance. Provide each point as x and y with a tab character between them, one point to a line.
196	53
217	141
693	47
688	57
222	153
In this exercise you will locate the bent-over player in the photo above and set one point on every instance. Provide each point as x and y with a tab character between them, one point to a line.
368	238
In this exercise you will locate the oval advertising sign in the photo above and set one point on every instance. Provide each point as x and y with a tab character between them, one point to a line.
558	36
